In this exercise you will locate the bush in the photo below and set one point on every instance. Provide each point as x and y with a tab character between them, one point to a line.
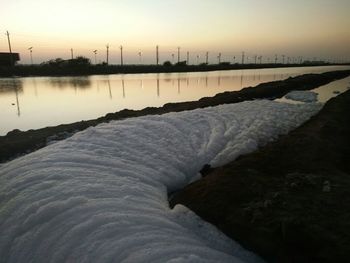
167	64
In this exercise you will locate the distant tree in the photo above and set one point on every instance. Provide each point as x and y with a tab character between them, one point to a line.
54	62
167	63
76	62
181	63
79	61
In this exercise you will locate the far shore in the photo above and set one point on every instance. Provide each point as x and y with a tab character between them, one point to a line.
75	69
17	143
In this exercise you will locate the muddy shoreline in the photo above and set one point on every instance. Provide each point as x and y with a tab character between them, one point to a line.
17	143
288	201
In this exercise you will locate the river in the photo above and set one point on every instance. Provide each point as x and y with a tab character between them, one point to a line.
37	102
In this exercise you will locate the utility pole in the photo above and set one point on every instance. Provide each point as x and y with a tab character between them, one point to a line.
71	52
243	54
188	58
178	54
219	58
107	60
31	55
95	52
157	55
140	57
172	56
207	58
121	56
9	42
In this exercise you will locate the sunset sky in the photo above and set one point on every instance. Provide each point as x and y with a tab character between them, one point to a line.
311	28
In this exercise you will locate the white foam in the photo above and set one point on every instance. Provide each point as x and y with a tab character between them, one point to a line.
101	195
302	96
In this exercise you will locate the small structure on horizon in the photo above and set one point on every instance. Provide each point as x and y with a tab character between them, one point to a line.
8	59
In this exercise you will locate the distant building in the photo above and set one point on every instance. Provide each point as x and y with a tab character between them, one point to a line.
7	59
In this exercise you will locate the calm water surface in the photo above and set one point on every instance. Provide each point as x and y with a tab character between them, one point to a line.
36	102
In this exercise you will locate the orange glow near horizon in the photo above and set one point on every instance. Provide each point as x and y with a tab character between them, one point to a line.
314	28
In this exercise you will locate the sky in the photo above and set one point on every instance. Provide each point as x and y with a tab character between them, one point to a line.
310	28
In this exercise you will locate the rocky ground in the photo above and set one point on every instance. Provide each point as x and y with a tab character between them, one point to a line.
17	143
289	201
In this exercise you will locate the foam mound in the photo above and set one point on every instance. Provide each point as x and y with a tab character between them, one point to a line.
302	96
102	194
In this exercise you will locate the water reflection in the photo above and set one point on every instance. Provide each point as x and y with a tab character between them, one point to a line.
13	85
43	101
70	82
167	77
110	90
35	87
17	103
10	85
123	85
105	84
158	86
108	82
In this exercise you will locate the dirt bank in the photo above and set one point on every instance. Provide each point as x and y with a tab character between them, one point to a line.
289	201
17	142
